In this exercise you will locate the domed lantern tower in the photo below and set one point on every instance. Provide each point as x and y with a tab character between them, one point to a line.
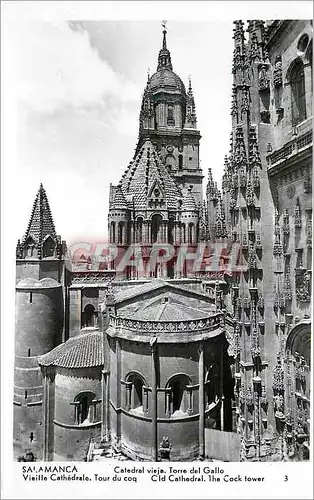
168	119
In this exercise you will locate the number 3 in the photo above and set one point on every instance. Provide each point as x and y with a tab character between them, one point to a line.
286	478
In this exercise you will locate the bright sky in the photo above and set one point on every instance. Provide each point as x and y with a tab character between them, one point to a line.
79	91
76	93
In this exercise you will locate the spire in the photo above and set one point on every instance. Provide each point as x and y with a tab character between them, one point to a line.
164	40
41	223
220	223
164	58
40	239
203	223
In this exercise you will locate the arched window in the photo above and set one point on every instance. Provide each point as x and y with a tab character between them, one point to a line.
170	116
298	104
30	248
89	316
120	233
180	162
113	232
85	408
136	396
156	227
139	230
48	247
178	396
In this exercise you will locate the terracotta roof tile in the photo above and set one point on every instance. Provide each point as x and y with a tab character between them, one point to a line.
144	171
168	309
83	351
119	201
41	222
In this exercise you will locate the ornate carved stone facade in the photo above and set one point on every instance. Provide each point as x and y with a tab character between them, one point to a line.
266	190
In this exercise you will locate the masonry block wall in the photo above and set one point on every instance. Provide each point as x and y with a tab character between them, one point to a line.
39	322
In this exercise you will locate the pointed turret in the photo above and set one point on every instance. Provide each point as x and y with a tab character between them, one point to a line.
190	121
220	223
40	239
188	204
203	223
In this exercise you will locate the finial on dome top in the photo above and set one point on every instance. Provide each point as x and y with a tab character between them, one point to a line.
164	59
164	41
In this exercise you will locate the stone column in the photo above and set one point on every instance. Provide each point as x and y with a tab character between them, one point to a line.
222	397
154	399
118	368
48	437
193	234
201	401
105	406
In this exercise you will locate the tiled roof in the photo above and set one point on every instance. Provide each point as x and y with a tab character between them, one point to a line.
143	173
136	290
83	351
188	203
41	223
165	78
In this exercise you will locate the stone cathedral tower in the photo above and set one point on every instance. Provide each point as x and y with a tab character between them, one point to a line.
266	200
39	321
168	119
159	198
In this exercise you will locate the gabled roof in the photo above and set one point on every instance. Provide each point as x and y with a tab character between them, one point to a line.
83	351
146	169
41	223
157	284
168	308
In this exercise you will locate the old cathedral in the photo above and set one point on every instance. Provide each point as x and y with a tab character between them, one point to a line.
112	363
